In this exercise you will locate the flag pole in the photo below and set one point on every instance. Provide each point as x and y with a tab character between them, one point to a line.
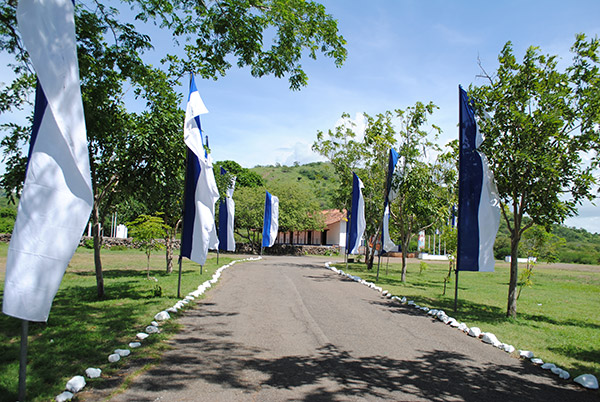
179	279
456	291
23	360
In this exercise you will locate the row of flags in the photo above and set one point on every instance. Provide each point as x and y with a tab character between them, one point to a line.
478	200
57	195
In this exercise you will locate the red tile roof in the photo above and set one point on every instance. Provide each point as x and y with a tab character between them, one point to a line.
333	216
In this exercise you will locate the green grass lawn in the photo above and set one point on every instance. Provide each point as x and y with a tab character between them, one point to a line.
558	316
82	331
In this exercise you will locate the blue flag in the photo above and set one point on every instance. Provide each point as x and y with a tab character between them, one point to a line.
356	217
478	201
271	220
201	193
57	195
226	216
386	242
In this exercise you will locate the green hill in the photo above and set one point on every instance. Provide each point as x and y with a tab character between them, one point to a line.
320	177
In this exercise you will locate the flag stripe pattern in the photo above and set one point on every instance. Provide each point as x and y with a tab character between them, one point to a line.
478	201
271	220
356	218
201	193
226	219
387	243
57	195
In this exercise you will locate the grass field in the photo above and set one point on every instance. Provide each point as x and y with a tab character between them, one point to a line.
558	316
82	331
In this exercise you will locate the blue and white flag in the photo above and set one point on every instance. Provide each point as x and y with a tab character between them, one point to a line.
201	193
356	217
226	215
478	201
271	220
57	196
387	243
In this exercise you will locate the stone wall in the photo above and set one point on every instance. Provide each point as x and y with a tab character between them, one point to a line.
241	248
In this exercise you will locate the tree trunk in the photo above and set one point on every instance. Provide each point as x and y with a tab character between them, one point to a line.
96	232
404	252
169	250
148	266
511	310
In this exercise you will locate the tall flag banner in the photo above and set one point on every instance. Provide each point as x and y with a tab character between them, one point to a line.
271	220
226	216
201	193
388	244
57	195
356	217
478	201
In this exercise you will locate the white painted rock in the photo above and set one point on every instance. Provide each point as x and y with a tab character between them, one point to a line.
163	315
463	327
526	354
509	348
114	358
564	375
384	293
411	303
587	380
403	300
444	318
134	345
189	297
425	309
185	301
141	336
93	372
453	323
154	323
416	306
490	338
548	366
65	396
432	312
171	310
213	281
475	332
123	352
76	384
152	329
537	360
441	312
389	295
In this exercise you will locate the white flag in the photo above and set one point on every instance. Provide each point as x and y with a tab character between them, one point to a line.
57	196
199	231
271	220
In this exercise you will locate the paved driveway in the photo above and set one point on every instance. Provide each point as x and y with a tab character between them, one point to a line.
286	329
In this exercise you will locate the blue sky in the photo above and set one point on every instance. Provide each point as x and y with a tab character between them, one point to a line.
399	52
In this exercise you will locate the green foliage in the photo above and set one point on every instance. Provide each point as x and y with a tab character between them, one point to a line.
7	219
88	243
543	123
422	267
144	230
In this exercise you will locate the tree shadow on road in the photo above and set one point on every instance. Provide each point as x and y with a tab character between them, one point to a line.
331	374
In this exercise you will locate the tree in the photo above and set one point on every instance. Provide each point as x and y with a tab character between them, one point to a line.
543	129
299	210
145	230
213	34
367	157
424	189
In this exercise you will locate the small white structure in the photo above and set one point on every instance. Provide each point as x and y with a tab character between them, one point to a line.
121	232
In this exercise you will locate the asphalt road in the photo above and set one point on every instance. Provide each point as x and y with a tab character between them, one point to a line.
287	329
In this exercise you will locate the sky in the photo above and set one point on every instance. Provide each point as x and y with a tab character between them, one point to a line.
399	52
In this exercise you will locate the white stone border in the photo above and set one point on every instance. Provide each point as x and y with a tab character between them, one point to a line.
77	383
585	380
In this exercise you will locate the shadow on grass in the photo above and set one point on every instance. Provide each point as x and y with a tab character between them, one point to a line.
81	331
330	374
